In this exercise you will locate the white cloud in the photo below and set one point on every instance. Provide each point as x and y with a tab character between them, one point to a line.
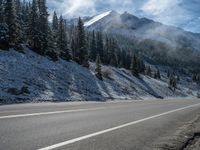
168	12
79	7
72	7
156	7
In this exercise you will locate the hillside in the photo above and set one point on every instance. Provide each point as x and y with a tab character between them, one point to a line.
30	77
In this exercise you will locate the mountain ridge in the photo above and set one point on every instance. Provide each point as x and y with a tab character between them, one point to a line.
152	41
130	25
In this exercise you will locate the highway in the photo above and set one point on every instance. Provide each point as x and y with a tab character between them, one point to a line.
125	125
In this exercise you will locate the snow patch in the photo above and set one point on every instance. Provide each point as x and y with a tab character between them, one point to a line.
96	18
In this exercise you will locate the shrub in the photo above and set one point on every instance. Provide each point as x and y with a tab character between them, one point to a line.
107	74
14	91
25	90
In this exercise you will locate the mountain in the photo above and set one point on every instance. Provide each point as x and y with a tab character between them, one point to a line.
155	42
129	25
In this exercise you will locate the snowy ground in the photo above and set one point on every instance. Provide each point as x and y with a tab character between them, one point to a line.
30	77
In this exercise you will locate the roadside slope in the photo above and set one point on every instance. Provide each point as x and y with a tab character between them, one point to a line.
30	77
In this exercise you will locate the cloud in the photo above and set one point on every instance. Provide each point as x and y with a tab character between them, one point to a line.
157	7
89	7
72	7
167	11
181	13
78	7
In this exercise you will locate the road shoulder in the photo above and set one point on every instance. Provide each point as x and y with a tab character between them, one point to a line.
186	137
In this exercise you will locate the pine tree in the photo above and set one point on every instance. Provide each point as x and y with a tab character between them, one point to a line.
43	26
198	78
93	47
55	22
178	78
13	23
73	48
155	75
4	36
142	66
99	45
98	68
158	74
24	21
134	66
127	60
106	51
33	27
112	53
88	38
82	47
18	8
54	30
149	72
194	77
21	15
25	13
51	52
52	45
2	6
122	58
119	58
172	83
62	40
75	44
3	28
168	74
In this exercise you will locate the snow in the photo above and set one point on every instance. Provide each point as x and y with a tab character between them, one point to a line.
96	18
67	81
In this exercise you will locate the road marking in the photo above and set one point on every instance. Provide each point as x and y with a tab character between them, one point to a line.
59	112
113	129
49	113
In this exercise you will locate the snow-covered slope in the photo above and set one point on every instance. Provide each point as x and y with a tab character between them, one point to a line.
30	77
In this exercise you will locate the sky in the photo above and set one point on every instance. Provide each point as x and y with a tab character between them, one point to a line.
180	13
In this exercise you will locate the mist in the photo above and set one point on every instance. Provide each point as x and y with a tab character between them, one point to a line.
180	13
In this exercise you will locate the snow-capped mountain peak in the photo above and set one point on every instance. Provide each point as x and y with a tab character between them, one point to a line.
130	26
98	17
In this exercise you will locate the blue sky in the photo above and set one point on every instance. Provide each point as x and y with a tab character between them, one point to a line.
181	13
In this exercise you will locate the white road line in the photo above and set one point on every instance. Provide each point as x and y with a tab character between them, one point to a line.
112	129
59	112
49	113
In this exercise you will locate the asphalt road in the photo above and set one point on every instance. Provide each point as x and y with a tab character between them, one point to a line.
135	125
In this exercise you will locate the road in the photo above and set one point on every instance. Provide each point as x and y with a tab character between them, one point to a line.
131	125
